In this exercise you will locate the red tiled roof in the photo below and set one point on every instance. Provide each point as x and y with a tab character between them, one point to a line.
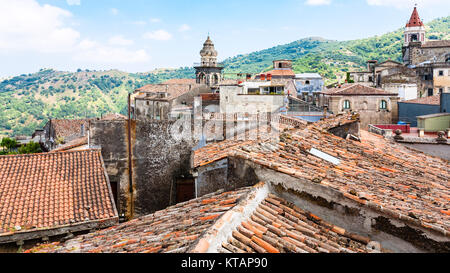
415	21
180	81
54	190
387	176
69	127
433	100
280	72
175	229
356	89
76	143
114	116
173	90
277	226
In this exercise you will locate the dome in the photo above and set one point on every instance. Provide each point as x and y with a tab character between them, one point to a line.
208	49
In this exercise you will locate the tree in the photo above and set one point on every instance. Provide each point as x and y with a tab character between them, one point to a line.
30	148
9	144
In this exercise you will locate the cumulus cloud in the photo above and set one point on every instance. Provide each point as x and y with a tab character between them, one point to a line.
27	25
92	51
120	41
317	2
184	27
73	2
159	35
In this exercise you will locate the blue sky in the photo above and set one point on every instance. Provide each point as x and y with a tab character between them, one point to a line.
141	35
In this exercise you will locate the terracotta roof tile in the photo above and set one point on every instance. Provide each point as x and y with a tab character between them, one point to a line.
53	190
175	229
278	226
433	100
356	89
374	171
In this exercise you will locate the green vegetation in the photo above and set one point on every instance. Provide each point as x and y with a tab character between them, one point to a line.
29	101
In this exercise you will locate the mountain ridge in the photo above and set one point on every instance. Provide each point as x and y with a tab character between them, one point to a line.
30	100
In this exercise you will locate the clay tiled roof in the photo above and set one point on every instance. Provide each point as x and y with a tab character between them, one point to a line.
383	175
433	100
54	190
114	116
277	226
280	72
69	127
440	43
175	229
415	21
173	90
76	143
356	89
180	81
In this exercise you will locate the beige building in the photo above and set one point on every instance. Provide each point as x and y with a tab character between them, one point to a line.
375	106
255	97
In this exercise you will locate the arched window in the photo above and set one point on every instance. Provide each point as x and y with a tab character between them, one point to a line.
347	104
447	58
383	105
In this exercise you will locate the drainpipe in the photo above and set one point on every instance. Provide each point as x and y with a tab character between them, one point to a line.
130	165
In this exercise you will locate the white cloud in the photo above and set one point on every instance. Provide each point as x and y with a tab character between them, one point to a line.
159	35
120	41
73	2
27	25
317	2
408	4
94	52
184	28
114	11
155	20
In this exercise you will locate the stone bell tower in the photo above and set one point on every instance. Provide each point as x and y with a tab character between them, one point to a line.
414	37
208	72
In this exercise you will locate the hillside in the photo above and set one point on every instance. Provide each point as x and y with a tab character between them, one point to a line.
28	101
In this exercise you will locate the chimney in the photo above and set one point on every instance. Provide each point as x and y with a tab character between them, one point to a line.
263	77
269	77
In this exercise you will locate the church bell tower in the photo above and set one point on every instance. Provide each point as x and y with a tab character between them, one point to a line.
208	72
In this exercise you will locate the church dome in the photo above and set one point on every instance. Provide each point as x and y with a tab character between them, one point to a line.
208	49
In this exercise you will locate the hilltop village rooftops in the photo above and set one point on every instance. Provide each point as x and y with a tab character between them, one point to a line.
357	90
432	100
55	193
246	220
383	175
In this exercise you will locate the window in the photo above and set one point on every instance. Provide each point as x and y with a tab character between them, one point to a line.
346	104
370	79
307	82
383	105
430	92
441	72
441	90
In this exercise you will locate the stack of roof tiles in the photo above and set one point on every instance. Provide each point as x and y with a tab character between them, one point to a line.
51	191
172	230
278	226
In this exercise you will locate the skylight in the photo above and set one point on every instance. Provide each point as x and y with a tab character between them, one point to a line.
325	156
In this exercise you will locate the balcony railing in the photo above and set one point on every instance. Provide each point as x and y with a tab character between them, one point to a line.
209	65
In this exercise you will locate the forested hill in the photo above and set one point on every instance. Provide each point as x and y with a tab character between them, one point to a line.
28	101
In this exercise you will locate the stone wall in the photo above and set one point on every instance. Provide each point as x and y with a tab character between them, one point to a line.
156	161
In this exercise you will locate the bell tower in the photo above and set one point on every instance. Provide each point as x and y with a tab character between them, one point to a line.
414	37
414	30
208	71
